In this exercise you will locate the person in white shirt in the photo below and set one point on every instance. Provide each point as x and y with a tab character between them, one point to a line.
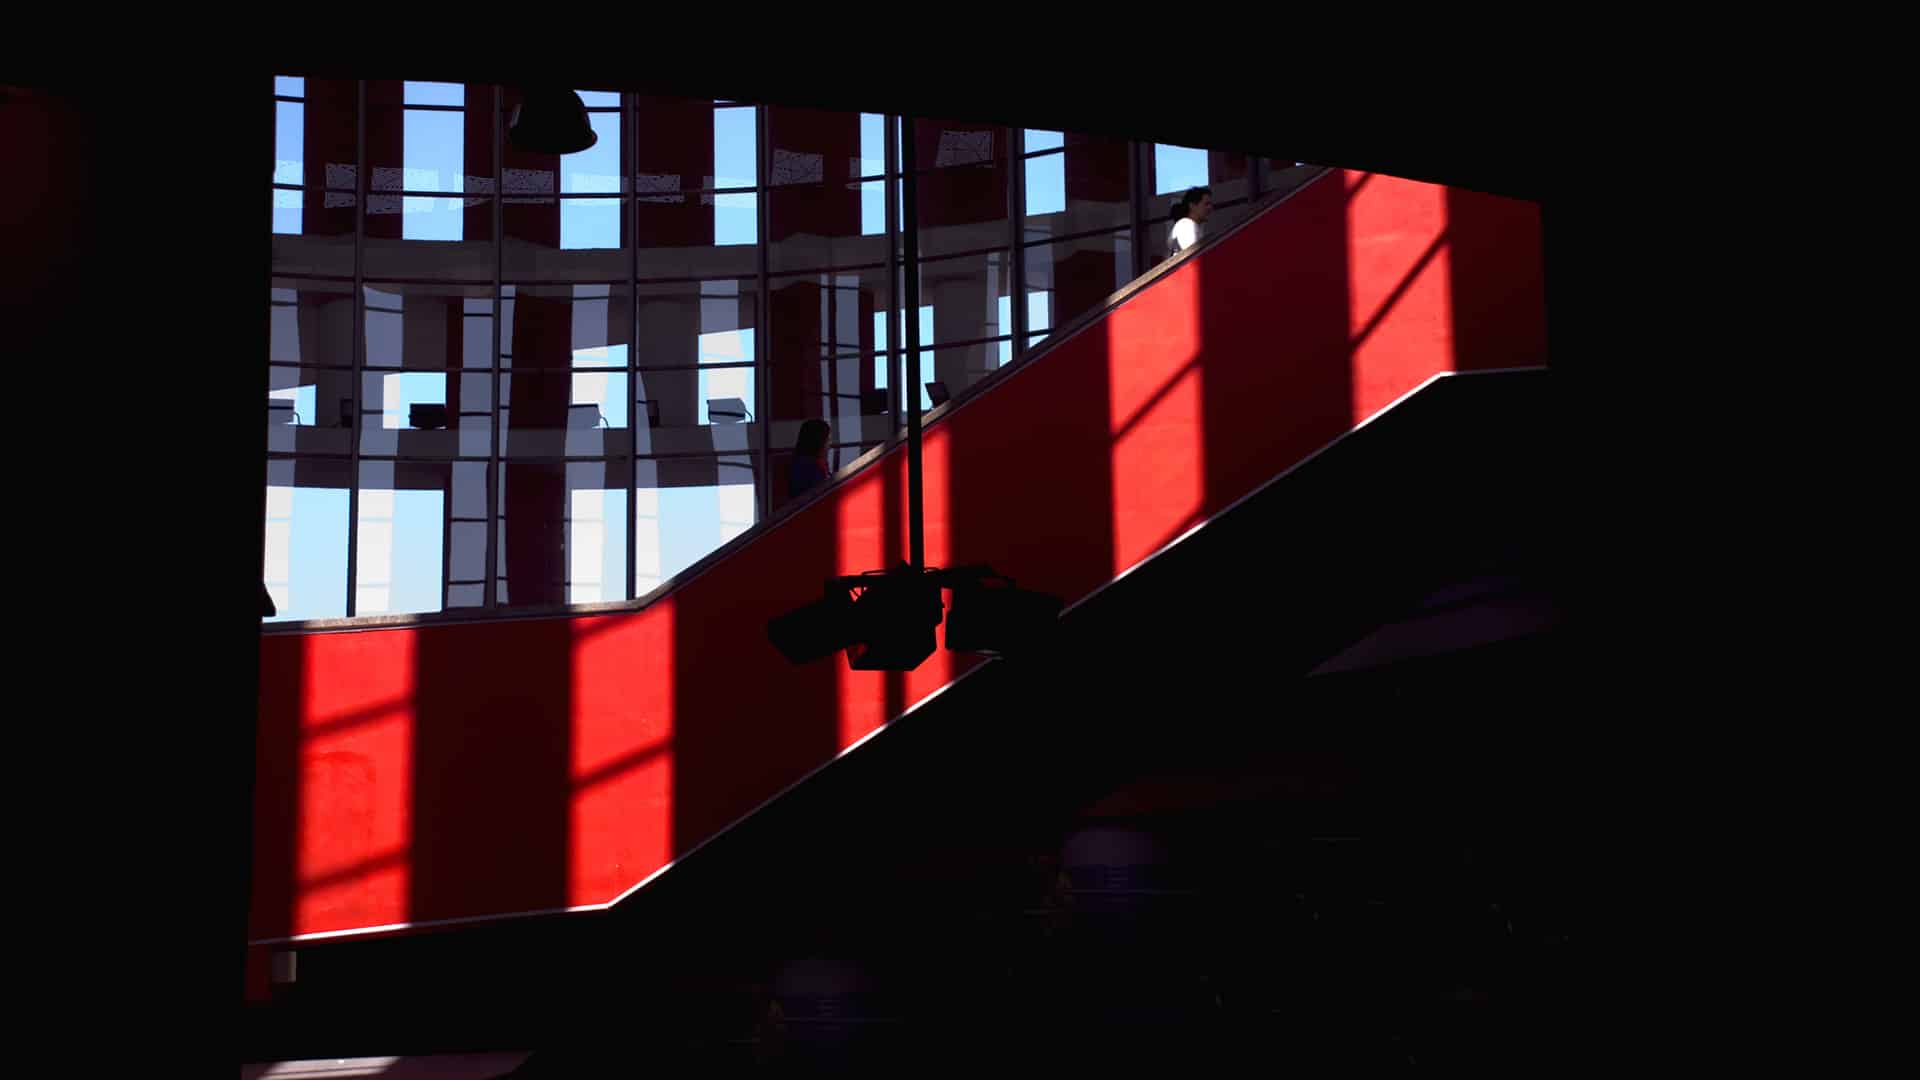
1189	214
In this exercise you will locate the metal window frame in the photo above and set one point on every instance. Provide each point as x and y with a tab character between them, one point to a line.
895	265
358	417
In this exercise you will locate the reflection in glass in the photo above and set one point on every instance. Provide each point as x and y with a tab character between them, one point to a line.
305	563
311	323
1080	274
562	532
882	378
959	367
962	209
826	225
595	170
684	508
696	235
564	326
1039	320
965	296
565	413
688	323
596	545
428	326
1079	189
400	545
562	239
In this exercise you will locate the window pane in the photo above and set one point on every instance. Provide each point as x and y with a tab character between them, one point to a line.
289	152
435	93
432	238
689	323
429	150
310	355
685	508
735	148
595	170
696	235
887	373
814	146
596	545
947	144
310	322
316	147
429	326
964	294
873	144
305	564
434	153
553	239
1043	140
411	541
699	410
1079	274
842	390
290	85
962	209
426	414
1080	189
825	225
587	224
1284	176
552	414
309	410
674	147
823	336
541	550
959	367
564	326
1177	168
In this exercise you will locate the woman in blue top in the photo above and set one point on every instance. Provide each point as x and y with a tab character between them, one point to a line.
808	469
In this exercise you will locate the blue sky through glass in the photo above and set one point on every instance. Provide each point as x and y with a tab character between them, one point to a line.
402	532
306	557
1177	168
735	154
433	157
873	144
1038	140
400	557
926	354
289	142
1047	184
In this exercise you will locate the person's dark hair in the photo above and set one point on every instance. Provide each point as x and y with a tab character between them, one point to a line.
1194	195
1179	209
813	438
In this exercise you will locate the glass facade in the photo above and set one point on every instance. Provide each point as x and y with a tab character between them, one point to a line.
503	380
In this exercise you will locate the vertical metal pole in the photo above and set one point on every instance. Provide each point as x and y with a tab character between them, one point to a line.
763	309
495	450
892	320
360	187
1141	232
1017	230
630	195
910	211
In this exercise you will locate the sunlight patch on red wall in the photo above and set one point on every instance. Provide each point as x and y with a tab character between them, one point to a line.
1398	306
356	768
621	817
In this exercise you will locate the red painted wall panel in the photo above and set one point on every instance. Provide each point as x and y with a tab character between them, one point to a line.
413	775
